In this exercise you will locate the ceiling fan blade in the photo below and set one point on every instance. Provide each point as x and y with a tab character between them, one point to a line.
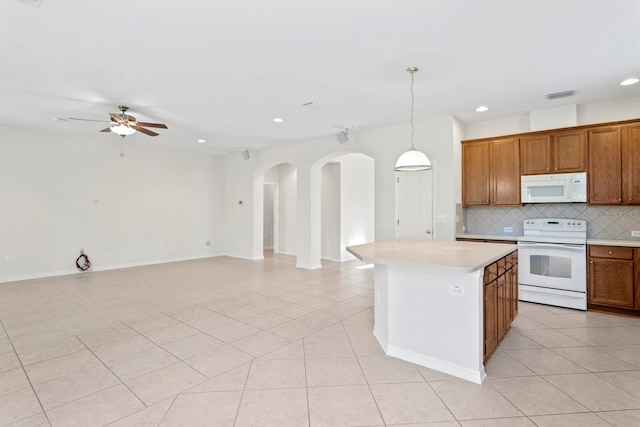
153	125
116	117
106	130
145	131
89	120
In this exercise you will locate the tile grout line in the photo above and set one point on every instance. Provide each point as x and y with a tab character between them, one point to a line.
366	380
25	374
113	373
244	387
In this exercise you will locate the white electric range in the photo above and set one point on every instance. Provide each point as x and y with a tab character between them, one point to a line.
552	262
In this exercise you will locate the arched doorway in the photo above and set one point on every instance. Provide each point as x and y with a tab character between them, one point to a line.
275	210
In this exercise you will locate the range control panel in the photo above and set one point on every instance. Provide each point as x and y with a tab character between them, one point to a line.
555	224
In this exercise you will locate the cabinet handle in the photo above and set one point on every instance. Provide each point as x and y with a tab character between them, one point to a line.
590	262
547	168
620	200
610	252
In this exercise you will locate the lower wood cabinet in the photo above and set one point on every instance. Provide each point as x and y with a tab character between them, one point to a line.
613	279
500	300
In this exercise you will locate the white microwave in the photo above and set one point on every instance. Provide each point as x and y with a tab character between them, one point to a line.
555	188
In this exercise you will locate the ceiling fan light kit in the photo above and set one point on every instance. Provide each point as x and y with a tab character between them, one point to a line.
412	160
124	125
122	130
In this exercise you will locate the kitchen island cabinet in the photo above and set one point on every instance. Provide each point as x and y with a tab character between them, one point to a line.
430	298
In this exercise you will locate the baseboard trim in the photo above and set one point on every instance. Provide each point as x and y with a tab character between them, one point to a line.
102	268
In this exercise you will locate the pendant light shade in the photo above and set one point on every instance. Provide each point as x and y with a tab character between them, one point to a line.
413	160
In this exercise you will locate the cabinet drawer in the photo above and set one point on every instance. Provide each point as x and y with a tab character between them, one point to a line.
611	252
502	265
490	273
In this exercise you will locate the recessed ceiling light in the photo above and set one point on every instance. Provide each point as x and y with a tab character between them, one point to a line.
202	141
482	109
630	81
278	120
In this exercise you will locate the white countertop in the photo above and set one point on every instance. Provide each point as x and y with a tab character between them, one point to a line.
510	237
463	257
613	242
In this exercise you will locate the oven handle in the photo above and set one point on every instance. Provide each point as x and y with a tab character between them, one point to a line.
570	294
571	246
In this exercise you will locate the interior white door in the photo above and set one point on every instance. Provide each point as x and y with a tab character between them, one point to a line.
414	205
269	216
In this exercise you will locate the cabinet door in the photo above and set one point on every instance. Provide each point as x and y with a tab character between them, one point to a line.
475	173
605	165
514	292
631	166
502	304
505	166
569	152
535	154
611	282
490	318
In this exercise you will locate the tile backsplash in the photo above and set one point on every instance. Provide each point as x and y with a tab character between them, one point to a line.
603	222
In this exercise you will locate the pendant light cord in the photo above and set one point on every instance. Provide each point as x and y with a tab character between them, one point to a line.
413	128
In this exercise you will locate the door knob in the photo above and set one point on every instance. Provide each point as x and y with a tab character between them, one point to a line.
428	231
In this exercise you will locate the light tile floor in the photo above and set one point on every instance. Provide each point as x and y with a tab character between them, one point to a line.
228	342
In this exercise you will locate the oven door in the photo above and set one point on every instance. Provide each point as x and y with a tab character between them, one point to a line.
553	265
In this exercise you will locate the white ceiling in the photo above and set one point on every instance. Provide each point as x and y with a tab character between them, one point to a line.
223	69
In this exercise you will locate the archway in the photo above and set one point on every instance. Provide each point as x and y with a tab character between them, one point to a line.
341	207
278	205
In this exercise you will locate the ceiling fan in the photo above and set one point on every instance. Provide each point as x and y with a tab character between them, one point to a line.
123	124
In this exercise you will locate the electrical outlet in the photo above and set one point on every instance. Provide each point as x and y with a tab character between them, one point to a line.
441	219
456	290
635	233
507	229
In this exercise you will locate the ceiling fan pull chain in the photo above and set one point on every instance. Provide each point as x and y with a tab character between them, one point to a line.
122	146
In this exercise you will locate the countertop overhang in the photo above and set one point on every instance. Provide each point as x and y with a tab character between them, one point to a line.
463	257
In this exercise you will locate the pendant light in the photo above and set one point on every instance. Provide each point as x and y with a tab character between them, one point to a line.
412	160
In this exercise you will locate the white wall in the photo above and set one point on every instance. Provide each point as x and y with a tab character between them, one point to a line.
243	178
624	109
287	210
357	202
330	216
61	193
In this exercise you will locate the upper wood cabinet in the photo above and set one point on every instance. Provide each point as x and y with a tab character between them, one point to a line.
491	172
614	165
475	173
608	152
558	152
505	171
631	166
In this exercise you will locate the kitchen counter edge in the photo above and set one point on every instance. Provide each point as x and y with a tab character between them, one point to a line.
488	253
614	242
506	237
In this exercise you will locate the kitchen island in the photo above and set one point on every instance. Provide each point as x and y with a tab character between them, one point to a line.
430	301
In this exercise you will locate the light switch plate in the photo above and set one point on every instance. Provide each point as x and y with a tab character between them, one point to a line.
635	233
507	229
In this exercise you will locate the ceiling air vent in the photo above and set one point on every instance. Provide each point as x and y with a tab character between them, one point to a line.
311	105
34	3
564	94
